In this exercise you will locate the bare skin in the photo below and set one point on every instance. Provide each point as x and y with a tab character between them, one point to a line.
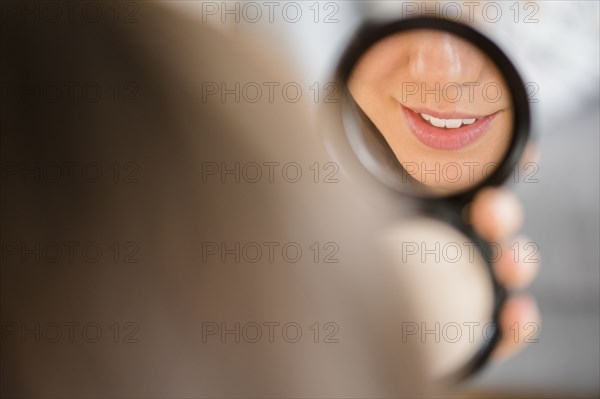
405	79
497	215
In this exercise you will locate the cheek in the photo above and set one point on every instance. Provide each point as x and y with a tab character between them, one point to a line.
500	138
365	91
378	75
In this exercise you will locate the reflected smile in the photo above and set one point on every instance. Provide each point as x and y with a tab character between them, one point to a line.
447	123
446	131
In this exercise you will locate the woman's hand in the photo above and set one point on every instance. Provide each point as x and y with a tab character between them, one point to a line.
497	215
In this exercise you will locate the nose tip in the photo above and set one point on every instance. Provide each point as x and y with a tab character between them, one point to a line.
442	58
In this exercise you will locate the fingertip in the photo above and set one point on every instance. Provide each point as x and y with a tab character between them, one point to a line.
518	264
520	325
496	213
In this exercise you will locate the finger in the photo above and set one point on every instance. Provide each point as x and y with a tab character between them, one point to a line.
496	214
518	263
519	322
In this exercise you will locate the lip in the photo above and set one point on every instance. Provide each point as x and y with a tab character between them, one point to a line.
447	139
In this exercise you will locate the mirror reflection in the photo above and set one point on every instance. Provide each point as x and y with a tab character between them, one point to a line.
440	103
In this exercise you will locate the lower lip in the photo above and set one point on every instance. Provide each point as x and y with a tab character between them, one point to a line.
446	139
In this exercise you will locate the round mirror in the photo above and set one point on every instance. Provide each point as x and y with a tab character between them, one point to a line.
432	107
434	110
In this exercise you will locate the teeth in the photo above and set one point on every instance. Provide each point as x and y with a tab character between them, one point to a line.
437	122
453	123
447	123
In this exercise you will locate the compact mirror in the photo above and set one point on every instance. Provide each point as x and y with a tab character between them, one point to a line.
433	108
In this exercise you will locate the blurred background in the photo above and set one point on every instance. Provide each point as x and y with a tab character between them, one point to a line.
555	46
